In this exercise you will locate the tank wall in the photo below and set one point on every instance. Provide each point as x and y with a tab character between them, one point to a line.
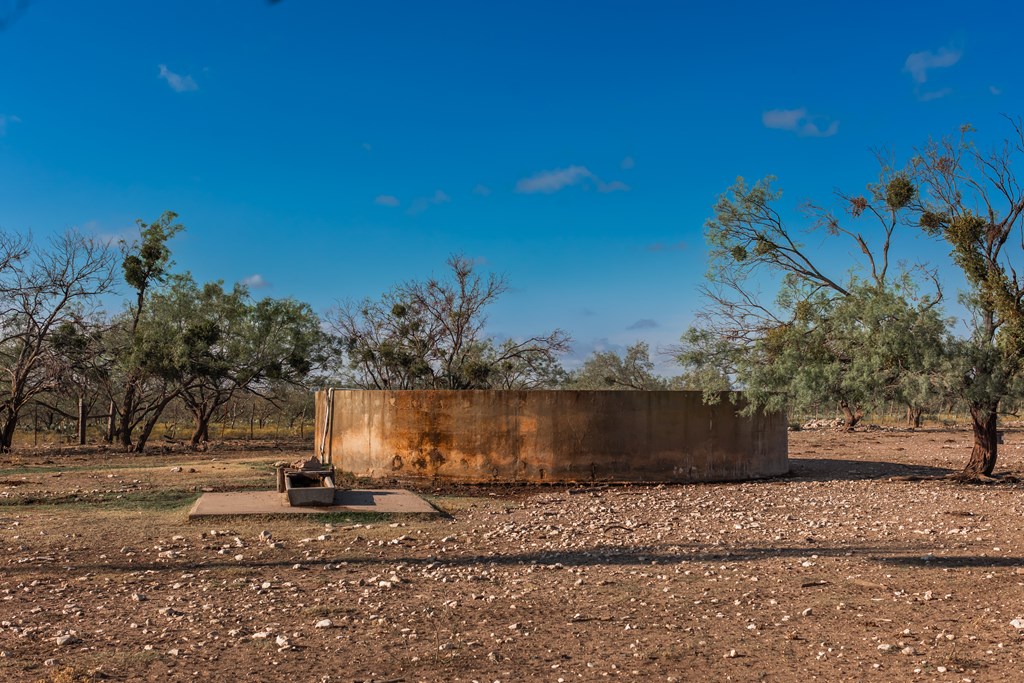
549	436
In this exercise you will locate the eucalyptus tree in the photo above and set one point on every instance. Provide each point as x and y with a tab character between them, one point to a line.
234	345
975	202
863	349
808	342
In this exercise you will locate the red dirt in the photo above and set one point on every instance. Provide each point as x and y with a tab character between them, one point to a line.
861	565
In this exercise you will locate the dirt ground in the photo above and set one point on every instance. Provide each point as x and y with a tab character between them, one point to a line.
861	565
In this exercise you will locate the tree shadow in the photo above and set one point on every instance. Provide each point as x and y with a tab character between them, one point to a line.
597	555
954	562
835	469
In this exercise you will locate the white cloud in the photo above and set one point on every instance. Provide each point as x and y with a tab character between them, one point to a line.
255	281
423	203
386	200
811	130
109	235
112	239
643	324
798	121
549	182
934	94
177	82
553	181
482	190
918	63
627	164
783	119
4	120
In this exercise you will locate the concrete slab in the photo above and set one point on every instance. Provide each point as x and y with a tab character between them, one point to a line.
389	501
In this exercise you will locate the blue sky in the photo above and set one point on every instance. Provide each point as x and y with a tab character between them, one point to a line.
326	150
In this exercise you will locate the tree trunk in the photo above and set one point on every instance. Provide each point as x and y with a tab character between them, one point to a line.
81	420
914	417
202	430
986	441
7	432
850	416
124	429
111	423
124	434
147	428
140	443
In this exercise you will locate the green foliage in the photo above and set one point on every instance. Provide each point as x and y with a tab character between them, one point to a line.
709	361
865	349
608	370
211	343
852	339
148	260
200	344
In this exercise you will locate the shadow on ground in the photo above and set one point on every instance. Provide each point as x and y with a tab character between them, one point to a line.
952	562
832	469
910	556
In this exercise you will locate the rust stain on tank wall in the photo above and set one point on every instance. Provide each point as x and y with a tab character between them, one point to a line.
553	436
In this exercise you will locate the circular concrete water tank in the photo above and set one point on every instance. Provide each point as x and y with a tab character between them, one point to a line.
548	436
